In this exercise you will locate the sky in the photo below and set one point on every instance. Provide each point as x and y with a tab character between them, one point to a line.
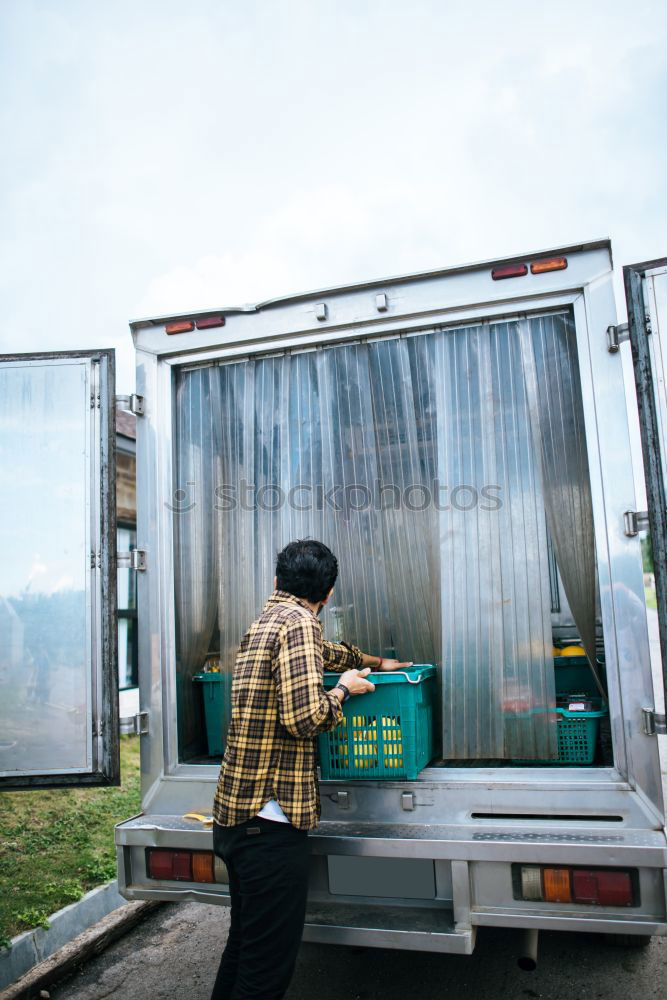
162	157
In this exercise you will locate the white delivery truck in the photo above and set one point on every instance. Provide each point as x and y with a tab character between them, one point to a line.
460	438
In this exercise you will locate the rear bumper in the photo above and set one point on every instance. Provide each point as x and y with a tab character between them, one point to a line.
472	879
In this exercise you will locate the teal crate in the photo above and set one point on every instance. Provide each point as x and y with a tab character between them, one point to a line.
387	733
577	735
212	693
574	674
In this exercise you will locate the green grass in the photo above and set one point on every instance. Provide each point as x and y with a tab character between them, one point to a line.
651	601
57	844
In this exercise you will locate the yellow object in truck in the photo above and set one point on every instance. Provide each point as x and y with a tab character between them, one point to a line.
573	651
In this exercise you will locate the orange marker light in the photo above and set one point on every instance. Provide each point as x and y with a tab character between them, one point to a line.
557	885
182	327
554	264
202	866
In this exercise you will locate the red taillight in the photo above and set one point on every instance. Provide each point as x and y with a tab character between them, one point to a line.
208	322
184	866
553	264
165	864
509	271
602	887
159	864
185	326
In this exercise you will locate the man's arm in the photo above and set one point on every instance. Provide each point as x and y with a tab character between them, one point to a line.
340	656
304	707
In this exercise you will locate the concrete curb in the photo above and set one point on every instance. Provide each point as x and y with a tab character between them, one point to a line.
66	960
33	947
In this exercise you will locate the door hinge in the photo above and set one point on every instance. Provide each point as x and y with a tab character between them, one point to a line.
95	559
135	725
654	722
615	336
133	403
635	521
135	559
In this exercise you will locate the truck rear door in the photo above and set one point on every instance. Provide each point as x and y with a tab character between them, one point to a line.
58	684
646	295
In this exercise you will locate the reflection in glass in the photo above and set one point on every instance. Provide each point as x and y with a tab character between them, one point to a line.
44	495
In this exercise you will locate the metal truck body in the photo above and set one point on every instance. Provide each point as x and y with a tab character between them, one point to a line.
421	864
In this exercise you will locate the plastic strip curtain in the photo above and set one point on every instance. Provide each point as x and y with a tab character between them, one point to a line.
384	451
551	367
497	672
198	411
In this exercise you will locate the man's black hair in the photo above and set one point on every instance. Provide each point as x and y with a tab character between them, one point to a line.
306	569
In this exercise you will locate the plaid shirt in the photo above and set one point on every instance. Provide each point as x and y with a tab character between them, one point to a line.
278	706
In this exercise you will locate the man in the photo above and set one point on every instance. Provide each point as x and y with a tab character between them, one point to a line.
267	796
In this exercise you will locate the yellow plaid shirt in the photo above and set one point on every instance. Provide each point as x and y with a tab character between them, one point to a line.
279	705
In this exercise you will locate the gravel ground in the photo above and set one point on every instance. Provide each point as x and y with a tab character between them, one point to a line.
175	953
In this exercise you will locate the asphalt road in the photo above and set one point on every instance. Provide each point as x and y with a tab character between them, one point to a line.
175	953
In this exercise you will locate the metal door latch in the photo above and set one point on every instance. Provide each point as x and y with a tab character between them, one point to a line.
635	521
136	725
133	403
654	723
135	559
342	798
407	801
615	336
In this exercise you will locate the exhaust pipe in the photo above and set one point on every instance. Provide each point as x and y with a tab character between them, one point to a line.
528	954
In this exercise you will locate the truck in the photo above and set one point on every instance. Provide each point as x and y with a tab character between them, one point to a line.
461	440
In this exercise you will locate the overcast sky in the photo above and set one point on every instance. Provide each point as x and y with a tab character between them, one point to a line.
162	156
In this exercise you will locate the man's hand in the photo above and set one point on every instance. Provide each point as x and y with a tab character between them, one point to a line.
394	665
355	681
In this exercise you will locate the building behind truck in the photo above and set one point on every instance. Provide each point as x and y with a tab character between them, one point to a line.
460	439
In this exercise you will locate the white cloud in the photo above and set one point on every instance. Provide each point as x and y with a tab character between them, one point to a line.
166	158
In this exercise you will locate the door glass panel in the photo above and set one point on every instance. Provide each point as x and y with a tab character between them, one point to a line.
45	615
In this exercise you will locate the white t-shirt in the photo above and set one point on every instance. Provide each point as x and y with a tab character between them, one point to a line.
271	810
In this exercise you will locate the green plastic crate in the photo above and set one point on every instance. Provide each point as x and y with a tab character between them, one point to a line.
573	673
212	693
577	735
385	734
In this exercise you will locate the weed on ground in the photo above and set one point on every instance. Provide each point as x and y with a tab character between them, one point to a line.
57	844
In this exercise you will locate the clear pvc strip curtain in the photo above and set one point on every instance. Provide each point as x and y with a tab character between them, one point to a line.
416	460
497	671
198	408
551	370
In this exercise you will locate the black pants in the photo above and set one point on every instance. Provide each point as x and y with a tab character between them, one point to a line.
268	883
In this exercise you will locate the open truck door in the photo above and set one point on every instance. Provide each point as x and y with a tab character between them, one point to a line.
646	295
58	656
